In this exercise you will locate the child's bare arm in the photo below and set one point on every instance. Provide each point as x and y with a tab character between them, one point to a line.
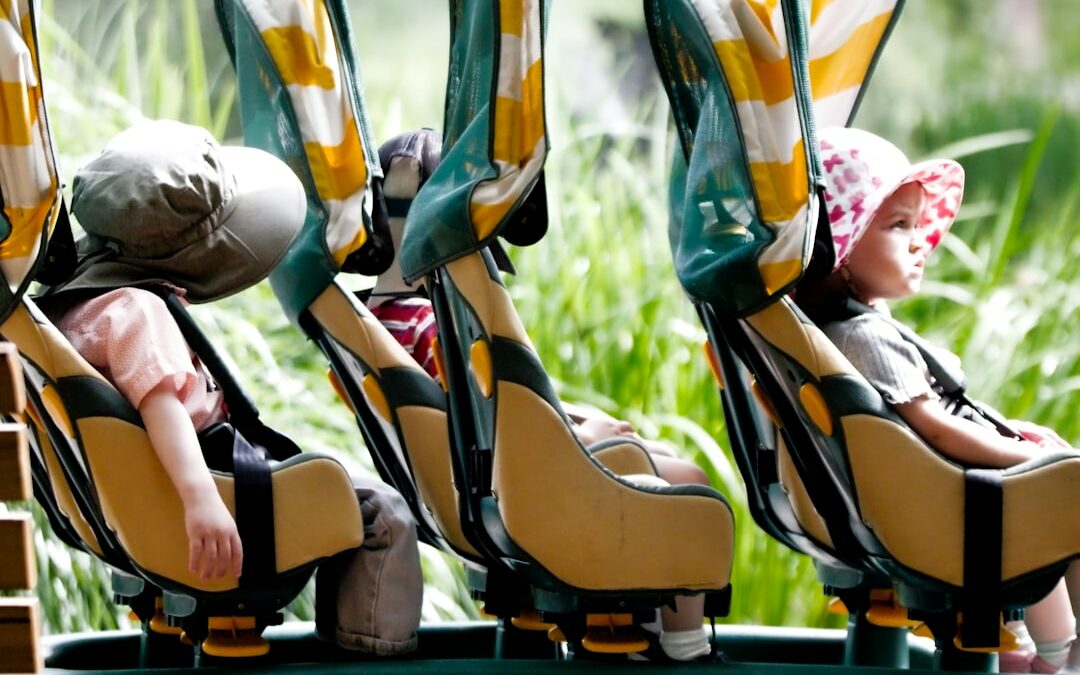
964	440
214	547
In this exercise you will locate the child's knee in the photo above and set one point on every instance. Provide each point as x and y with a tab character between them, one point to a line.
387	519
680	472
693	474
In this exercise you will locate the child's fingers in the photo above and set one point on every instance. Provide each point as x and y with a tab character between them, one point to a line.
195	549
209	558
224	558
1057	439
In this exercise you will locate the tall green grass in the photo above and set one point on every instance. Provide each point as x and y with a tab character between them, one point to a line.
599	295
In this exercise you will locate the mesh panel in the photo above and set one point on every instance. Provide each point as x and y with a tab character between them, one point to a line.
494	138
739	77
300	100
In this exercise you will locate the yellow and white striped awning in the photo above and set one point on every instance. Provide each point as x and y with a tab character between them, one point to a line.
300	39
520	144
29	183
751	43
845	36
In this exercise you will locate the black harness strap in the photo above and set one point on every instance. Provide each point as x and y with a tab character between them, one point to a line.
254	492
950	380
982	558
61	257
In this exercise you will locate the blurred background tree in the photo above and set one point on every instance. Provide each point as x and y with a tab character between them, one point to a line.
994	84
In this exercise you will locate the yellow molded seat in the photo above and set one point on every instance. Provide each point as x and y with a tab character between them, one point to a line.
901	504
574	526
412	444
133	503
889	466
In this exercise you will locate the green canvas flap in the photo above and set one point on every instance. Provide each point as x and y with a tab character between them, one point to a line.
747	82
300	99
29	180
494	137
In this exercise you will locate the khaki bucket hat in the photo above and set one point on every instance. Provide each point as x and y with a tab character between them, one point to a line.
165	203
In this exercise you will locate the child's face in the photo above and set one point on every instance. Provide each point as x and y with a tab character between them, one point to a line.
888	261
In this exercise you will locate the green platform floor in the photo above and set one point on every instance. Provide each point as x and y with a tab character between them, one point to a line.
453	648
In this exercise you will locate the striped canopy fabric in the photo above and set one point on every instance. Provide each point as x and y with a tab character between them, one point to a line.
29	184
846	38
300	99
494	138
749	80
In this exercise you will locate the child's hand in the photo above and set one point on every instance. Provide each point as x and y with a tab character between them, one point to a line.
1045	438
214	548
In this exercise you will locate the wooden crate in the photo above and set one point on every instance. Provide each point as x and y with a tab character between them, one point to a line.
19	652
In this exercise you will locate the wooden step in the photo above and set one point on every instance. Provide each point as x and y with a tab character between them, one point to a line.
19	629
12	391
14	463
16	552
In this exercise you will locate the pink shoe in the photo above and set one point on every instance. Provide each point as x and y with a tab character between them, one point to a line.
1016	661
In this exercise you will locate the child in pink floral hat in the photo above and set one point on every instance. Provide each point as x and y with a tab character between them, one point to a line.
887	215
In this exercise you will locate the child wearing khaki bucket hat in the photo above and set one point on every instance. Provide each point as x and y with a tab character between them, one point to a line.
886	216
165	205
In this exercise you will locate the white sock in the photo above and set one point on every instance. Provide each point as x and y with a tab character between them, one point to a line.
684	645
1055	653
1023	637
1072	662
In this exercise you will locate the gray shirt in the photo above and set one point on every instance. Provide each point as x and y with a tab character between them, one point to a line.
889	362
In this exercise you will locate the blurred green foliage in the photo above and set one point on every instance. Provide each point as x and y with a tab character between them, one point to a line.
993	83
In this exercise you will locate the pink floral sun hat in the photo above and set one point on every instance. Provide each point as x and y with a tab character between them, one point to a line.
862	170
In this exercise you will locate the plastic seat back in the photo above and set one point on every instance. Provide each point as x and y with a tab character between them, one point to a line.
860	479
535	479
400	409
538	499
745	81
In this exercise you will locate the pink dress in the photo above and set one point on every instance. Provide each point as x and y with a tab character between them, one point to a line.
131	338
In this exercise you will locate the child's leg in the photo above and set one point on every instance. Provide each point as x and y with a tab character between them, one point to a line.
678	471
381	588
1017	660
684	636
1072	582
1052	627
